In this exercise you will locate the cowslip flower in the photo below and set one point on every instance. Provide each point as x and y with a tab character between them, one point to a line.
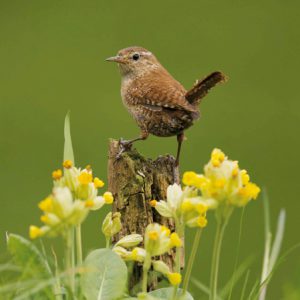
74	194
158	239
223	181
136	254
185	206
173	277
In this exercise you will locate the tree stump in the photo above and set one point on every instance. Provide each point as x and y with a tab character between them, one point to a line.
134	181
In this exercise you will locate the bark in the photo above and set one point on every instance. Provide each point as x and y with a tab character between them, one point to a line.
135	180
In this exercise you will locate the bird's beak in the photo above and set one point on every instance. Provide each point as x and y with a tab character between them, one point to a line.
117	59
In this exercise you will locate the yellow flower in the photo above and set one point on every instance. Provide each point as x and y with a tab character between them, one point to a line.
217	157
166	230
108	197
153	235
57	174
186	205
85	178
89	203
220	183
235	171
174	278
138	254
189	178
245	177
98	183
175	240
44	218
157	239
250	190
46	205
202	221
67	164
153	203
201	208
34	232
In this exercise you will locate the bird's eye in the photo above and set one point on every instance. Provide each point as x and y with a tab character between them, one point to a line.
135	56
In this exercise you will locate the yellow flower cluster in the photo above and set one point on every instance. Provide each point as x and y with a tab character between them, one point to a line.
223	182
184	206
74	194
159	240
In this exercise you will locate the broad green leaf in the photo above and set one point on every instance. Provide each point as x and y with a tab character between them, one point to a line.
104	276
26	255
68	148
167	293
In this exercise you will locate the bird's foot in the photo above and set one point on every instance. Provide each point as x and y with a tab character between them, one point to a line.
124	146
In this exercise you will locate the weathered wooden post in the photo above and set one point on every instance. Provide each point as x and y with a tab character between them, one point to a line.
134	181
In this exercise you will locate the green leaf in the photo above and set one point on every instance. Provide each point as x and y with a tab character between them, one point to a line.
68	148
167	293
104	276
26	255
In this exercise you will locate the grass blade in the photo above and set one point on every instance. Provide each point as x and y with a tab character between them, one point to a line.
68	148
245	285
278	239
239	272
202	287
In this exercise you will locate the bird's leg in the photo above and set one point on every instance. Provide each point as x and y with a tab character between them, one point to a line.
180	139
126	144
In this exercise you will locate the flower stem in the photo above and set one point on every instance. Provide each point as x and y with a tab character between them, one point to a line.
180	232
107	245
221	225
78	245
69	262
146	267
191	260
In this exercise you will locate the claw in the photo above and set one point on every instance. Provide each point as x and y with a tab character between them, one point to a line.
124	146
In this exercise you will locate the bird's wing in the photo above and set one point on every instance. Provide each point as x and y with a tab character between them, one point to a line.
201	88
157	92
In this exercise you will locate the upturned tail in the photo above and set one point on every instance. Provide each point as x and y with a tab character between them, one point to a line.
201	88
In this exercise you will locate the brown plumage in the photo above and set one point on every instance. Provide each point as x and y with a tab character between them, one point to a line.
159	103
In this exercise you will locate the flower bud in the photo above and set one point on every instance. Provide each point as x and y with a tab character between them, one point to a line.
160	267
129	241
111	224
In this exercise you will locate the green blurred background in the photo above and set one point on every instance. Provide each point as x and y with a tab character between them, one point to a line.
52	60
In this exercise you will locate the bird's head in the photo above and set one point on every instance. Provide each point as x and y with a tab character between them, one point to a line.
135	61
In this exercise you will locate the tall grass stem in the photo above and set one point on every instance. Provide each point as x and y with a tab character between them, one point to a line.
221	225
191	260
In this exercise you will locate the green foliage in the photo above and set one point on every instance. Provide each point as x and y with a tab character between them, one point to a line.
167	293
27	256
34	276
105	275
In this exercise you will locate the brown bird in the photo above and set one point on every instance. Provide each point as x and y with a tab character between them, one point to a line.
159	104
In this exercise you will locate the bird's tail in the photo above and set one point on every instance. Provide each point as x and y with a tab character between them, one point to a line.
201	88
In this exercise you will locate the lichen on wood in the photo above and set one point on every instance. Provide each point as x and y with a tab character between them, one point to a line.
134	181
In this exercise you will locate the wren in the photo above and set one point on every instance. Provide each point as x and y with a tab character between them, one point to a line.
159	104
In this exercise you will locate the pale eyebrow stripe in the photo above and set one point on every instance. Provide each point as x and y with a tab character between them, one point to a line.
146	53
